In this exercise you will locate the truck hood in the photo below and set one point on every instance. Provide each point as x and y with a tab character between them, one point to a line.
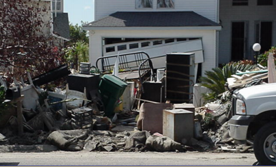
259	91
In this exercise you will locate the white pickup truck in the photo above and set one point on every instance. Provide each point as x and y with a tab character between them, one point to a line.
254	118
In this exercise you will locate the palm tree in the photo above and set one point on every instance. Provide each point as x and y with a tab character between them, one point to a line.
215	80
79	52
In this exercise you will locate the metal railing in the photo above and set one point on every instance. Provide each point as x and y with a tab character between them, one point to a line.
126	62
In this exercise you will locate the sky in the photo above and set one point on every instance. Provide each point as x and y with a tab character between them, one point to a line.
79	10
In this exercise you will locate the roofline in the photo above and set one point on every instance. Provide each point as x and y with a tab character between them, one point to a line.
60	37
154	28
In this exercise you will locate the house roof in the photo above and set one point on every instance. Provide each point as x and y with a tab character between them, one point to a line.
61	25
153	19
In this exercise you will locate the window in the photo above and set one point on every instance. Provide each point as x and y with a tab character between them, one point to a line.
145	44
264	33
122	47
57	5
133	46
143	4
265	2
165	3
157	42
169	40
239	40
110	49
240	2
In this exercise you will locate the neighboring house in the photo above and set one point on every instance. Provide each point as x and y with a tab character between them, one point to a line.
245	22
60	26
157	27
59	21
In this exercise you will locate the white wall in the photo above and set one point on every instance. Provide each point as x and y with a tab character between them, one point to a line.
208	39
206	8
250	13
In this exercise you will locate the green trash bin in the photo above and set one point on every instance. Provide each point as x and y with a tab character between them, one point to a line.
111	89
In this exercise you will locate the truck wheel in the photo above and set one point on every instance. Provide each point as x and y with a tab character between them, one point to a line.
265	144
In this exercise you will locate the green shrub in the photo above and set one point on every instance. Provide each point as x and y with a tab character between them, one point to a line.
215	80
262	58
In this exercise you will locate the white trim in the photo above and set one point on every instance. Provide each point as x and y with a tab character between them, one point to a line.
154	28
60	37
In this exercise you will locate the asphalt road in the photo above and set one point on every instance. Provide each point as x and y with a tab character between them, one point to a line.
123	158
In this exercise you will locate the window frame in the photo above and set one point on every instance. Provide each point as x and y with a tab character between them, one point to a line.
166	7
140	6
240	2
60	2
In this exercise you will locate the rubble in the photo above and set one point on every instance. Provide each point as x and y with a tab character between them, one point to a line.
163	143
75	120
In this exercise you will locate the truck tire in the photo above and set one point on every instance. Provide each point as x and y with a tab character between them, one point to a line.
265	144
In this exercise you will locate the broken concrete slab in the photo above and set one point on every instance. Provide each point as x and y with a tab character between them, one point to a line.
91	145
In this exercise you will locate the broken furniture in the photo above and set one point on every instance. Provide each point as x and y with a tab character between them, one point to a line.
151	117
180	77
178	124
51	75
81	118
153	91
80	81
111	89
184	106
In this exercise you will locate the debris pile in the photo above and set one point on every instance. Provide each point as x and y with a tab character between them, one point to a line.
214	116
94	112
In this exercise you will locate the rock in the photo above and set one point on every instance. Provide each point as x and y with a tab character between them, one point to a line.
109	148
91	146
163	143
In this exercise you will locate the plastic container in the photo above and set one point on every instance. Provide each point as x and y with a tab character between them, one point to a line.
85	68
111	89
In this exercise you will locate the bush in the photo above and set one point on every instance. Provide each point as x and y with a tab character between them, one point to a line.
215	80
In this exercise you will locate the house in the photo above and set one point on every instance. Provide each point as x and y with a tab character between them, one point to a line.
60	27
157	27
245	22
59	22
